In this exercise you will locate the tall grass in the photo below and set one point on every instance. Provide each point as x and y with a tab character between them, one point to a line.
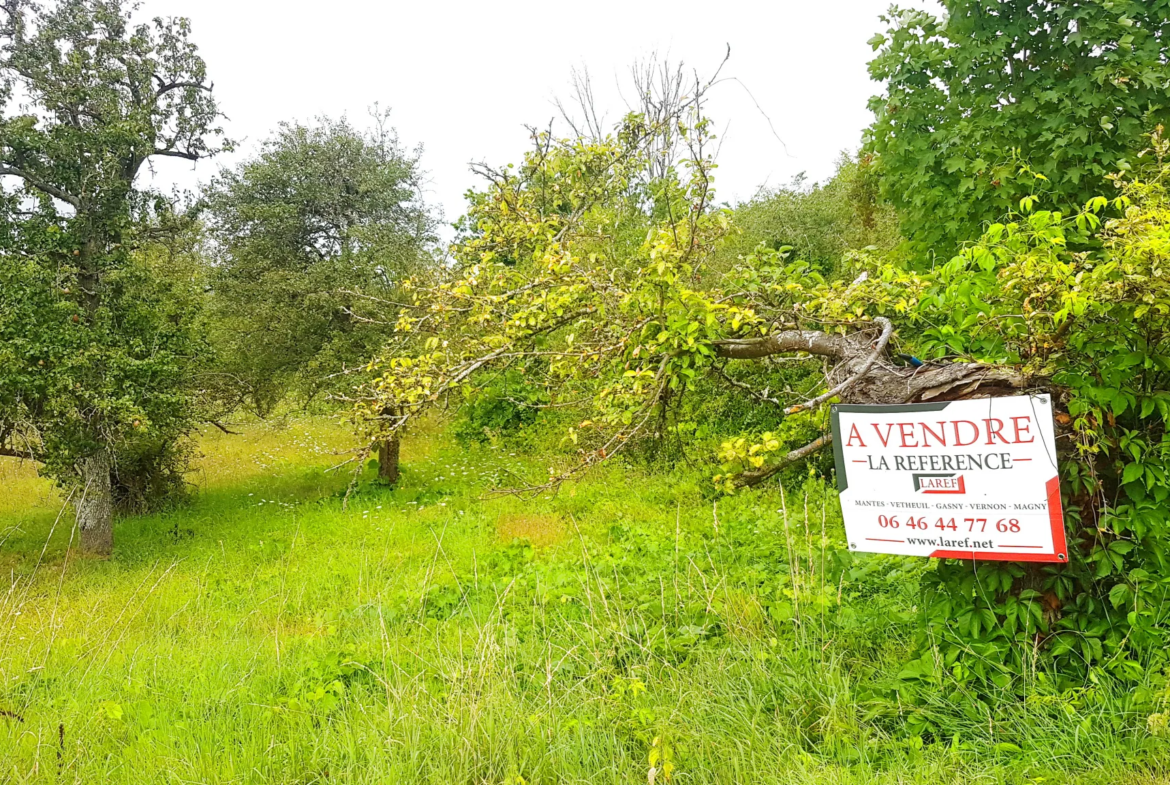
267	633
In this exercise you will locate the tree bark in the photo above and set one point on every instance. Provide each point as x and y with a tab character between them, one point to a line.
882	382
787	341
388	460
95	506
886	383
862	373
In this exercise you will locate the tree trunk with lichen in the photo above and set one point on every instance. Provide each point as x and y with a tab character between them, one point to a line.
95	505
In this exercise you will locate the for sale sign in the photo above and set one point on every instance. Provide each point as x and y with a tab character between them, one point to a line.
959	480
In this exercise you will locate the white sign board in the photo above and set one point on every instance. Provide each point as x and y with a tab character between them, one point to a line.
960	480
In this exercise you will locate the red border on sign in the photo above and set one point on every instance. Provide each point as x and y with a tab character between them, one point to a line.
1059	544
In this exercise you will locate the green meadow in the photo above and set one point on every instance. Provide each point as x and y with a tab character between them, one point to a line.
628	629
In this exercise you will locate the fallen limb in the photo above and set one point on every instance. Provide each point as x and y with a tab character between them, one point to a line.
887	331
748	479
864	375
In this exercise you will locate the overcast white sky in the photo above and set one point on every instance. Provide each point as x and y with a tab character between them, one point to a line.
464	78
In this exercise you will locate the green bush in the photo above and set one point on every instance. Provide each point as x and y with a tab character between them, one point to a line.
817	223
500	409
1096	325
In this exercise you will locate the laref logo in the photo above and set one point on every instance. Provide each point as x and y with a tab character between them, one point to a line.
939	483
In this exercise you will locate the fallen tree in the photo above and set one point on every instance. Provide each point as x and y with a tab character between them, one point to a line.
587	277
586	274
862	371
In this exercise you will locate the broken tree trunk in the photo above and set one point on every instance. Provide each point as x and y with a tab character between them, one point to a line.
880	381
861	372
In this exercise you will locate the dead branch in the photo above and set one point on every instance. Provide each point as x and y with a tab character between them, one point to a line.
864	375
759	396
887	331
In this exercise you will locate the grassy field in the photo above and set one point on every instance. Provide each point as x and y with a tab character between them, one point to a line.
631	629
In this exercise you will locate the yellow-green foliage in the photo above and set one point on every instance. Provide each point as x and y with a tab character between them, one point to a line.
1081	302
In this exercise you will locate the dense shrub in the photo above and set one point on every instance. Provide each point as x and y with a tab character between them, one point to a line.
816	222
1096	325
499	410
977	96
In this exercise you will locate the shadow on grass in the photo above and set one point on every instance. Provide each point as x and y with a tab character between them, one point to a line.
39	527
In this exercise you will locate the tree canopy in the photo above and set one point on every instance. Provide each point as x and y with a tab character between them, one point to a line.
307	234
979	99
817	222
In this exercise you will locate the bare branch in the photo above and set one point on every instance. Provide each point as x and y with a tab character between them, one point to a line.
171	153
759	396
166	87
223	427
364	296
41	185
812	341
748	479
27	455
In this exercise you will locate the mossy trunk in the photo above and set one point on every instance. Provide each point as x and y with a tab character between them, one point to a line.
388	460
95	506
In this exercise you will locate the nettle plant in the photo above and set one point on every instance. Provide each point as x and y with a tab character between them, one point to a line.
584	271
